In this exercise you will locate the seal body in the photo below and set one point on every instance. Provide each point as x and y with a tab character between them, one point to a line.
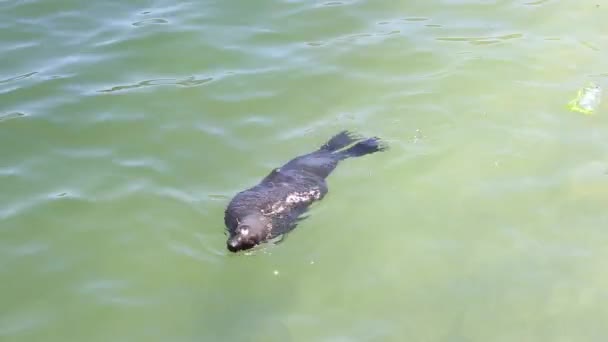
274	206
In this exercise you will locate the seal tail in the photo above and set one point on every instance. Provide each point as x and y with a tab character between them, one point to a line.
364	147
339	141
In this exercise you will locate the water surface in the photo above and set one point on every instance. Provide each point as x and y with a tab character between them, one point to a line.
125	128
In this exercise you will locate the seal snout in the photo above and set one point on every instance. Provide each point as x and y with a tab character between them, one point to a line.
240	243
232	245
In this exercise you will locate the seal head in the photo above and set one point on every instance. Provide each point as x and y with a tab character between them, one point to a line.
250	232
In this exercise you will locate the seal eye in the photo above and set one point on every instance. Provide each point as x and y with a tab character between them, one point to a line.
245	231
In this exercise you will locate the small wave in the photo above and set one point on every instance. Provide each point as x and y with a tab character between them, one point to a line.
415	19
9	116
29	248
102	284
18	78
357	37
9	171
81	152
481	40
589	45
190	252
123	190
179	195
110	291
18	207
25	320
151	21
334	3
536	3
219	197
146	163
191	81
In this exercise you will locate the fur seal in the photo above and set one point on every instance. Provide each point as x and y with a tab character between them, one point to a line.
274	206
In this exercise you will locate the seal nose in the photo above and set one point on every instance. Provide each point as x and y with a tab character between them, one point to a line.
232	245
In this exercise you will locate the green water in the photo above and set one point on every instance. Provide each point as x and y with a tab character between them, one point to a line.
126	127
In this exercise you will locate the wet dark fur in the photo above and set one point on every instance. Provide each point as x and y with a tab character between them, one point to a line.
274	206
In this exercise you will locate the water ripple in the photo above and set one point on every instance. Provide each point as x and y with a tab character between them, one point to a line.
22	206
91	286
192	252
14	323
415	19
84	153
20	77
482	40
9	171
333	3
146	163
536	3
392	27
110	291
9	116
179	195
151	21
208	94
191	81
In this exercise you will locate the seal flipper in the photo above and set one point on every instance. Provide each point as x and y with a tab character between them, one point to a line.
287	223
279	239
292	226
364	147
340	141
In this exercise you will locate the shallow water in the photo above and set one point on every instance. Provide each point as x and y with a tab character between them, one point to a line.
125	128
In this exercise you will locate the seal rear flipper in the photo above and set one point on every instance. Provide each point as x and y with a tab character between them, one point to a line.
364	147
340	141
